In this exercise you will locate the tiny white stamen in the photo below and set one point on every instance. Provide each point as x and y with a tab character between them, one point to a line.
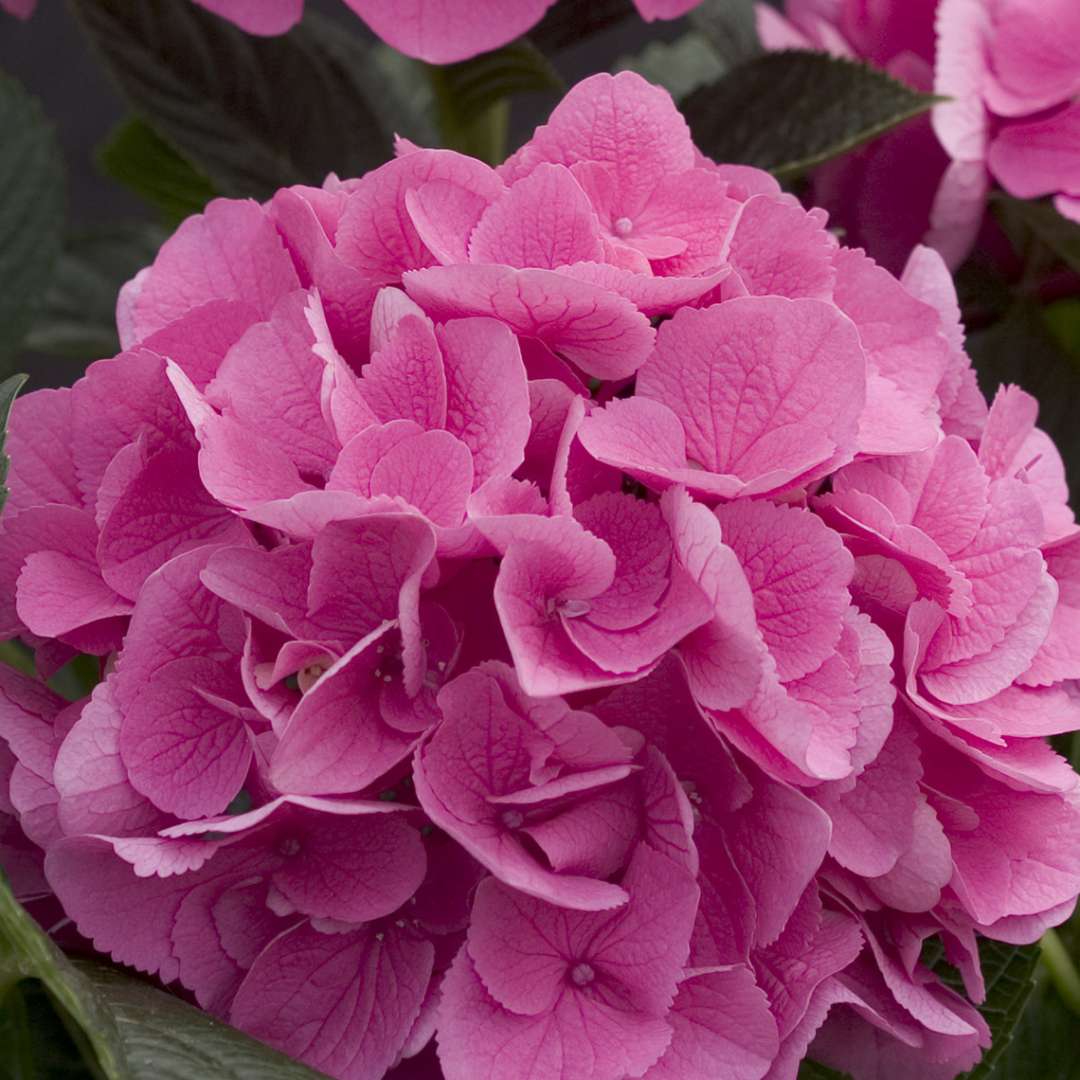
512	819
380	936
624	226
400	924
574	609
289	846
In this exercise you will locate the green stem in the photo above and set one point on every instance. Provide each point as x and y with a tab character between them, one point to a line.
482	135
1062	970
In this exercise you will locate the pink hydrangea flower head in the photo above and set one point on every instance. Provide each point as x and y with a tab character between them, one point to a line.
571	620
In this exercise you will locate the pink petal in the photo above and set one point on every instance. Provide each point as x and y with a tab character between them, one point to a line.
163	512
798	571
778	249
42	468
1030	66
271	379
723	1027
725	369
376	235
487	394
442	35
353	869
544	220
229	252
266	17
651	295
183	742
457	776
238	464
95	793
337	740
620	121
1039	157
341	1003
604	334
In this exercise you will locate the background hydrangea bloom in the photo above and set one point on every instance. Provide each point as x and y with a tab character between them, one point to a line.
588	630
431	30
1011	116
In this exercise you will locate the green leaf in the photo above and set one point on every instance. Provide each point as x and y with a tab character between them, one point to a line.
730	28
9	388
137	157
31	209
407	95
1021	349
789	111
678	66
1043	1045
78	316
570	21
252	114
164	1038
1009	974
811	1070
1063	319
471	97
26	953
1058	233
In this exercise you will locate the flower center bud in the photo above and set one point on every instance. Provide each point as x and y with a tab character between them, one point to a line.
289	846
307	677
512	819
582	974
574	609
624	226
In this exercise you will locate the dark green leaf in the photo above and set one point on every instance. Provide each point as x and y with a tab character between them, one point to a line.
1009	974
252	114
1043	1045
31	209
77	678
1020	349
408	100
678	66
137	157
1063	318
471	96
811	1070
9	388
78	316
570	21
789	111
26	953
518	68
729	27
164	1038
1058	233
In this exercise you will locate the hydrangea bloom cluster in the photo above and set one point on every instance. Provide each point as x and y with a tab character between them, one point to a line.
1012	78
439	31
568	621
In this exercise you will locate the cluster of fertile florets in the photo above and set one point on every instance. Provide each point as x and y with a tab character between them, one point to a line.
576	616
